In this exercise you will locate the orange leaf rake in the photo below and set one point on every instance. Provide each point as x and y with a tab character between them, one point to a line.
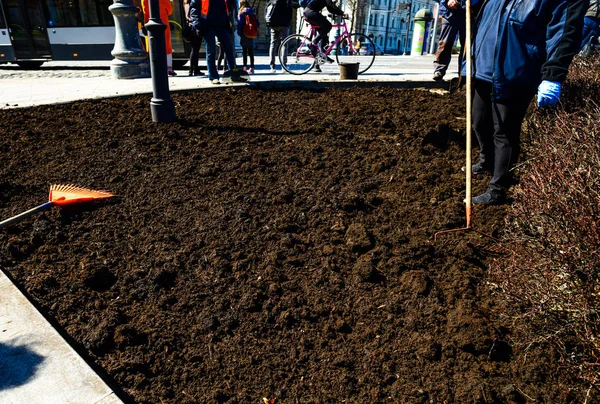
60	195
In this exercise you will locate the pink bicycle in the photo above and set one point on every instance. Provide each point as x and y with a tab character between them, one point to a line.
295	56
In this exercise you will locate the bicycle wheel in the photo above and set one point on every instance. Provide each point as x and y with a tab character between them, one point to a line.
351	54
294	54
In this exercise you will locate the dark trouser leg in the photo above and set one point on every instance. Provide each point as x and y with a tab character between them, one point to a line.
224	36
251	54
320	20
508	116
444	52
497	125
195	53
244	57
483	124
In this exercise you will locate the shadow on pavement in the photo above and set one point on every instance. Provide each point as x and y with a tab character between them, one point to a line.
18	365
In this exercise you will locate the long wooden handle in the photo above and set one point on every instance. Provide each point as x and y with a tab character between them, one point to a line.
469	118
23	215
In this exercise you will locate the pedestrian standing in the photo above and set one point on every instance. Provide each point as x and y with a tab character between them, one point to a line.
453	24
519	47
166	9
247	29
211	19
278	16
195	44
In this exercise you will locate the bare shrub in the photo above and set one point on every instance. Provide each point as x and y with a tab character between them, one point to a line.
553	230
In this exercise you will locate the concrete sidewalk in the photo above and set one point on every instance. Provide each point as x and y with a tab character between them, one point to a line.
36	364
20	90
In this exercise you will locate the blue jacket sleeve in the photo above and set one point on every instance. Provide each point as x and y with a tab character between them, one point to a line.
563	37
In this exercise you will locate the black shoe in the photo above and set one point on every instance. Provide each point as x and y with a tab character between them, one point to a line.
198	72
480	168
317	69
190	73
437	76
329	60
489	197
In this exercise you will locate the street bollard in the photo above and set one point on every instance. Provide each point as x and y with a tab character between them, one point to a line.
161	104
129	57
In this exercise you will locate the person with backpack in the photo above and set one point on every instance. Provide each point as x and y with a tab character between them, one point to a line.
312	14
247	29
278	16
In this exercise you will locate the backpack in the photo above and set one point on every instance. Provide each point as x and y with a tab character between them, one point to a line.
250	26
305	3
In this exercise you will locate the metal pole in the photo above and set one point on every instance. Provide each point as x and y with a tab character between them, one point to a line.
161	104
434	34
369	18
408	27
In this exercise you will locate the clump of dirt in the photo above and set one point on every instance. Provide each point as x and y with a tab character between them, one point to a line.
270	243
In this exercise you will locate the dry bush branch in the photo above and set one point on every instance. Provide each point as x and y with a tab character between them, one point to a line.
554	228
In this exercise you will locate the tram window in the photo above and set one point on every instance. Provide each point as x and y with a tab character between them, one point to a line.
62	13
74	13
95	12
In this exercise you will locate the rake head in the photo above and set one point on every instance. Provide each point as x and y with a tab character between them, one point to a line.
68	194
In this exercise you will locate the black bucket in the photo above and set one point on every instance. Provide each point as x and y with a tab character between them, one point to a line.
349	71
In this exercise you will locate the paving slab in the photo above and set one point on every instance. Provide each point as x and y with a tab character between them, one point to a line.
36	364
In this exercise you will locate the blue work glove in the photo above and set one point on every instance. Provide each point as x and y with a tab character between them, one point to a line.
548	93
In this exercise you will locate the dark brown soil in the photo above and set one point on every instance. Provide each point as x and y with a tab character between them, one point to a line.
270	243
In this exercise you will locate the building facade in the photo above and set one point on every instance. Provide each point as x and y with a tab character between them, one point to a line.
389	23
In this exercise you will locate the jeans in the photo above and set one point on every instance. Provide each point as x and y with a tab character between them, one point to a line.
224	36
278	34
497	126
590	27
450	28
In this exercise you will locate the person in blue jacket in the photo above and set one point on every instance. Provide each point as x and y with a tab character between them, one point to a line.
453	23
591	23
519	47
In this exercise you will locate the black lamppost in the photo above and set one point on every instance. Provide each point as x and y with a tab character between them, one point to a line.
161	104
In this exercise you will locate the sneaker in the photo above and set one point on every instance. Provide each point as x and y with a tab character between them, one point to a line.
171	72
215	81
251	70
437	76
489	197
317	69
272	71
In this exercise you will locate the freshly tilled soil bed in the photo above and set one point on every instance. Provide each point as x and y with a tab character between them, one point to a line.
272	244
